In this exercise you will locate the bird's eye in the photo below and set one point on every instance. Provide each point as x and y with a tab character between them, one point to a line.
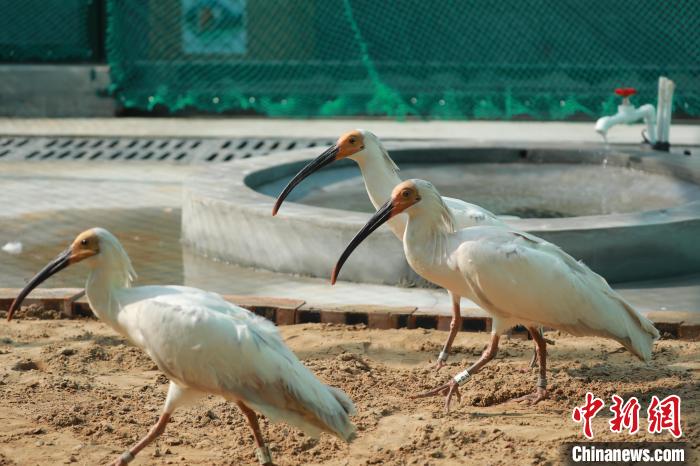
84	242
352	140
406	193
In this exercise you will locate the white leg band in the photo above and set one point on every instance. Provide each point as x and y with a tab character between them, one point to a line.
462	377
127	457
542	382
263	455
443	356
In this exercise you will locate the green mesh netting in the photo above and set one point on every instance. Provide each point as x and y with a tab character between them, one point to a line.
48	30
547	59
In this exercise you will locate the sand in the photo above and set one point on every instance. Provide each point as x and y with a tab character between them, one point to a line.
72	391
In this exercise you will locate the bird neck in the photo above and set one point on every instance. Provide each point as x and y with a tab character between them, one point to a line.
102	289
380	176
425	242
429	228
109	277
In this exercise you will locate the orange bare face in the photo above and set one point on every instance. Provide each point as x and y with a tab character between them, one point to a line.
403	196
85	245
350	143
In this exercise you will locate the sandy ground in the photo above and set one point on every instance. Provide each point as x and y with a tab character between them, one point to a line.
71	391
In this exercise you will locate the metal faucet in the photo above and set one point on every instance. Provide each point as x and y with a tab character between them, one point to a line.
655	134
628	113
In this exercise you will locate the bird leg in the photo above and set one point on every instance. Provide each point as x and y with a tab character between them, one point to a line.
455	325
262	452
541	391
452	387
533	361
128	456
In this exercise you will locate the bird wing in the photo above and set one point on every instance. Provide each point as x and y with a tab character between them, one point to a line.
206	343
524	278
469	215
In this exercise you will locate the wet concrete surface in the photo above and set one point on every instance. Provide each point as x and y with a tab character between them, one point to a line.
142	208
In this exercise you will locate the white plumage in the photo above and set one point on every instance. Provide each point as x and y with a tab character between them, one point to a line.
517	277
380	175
522	279
204	344
207	345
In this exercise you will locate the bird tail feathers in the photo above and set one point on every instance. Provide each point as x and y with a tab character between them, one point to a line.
641	333
339	422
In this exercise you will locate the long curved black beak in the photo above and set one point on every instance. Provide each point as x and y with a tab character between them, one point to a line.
59	263
319	162
380	217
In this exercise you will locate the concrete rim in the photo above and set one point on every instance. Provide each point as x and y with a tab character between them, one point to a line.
234	187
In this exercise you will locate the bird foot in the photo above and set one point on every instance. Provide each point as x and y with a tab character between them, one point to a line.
449	390
532	398
439	365
441	360
533	364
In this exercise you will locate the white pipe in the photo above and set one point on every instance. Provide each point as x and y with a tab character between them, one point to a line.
660	103
627	113
670	88
665	104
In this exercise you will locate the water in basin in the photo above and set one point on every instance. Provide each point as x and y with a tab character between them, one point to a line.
525	190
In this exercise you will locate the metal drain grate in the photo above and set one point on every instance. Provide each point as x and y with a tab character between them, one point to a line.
182	151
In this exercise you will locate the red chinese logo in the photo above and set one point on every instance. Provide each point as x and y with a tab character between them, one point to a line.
665	415
587	412
661	415
625	416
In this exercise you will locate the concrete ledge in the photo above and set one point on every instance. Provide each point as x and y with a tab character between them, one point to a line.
679	324
282	311
81	307
73	303
227	127
373	316
60	299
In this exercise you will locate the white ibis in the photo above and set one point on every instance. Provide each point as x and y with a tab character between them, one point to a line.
517	277
204	344
380	174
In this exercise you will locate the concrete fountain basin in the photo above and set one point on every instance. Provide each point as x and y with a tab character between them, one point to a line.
629	213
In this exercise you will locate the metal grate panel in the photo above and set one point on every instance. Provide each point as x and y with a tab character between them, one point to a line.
179	151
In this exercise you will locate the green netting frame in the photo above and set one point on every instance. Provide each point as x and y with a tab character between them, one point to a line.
547	59
49	30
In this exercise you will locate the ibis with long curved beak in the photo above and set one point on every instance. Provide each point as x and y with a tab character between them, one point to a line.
380	175
204	344
516	277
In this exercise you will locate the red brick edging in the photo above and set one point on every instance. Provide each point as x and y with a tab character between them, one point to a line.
71	302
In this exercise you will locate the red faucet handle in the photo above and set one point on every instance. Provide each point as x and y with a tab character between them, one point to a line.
625	91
